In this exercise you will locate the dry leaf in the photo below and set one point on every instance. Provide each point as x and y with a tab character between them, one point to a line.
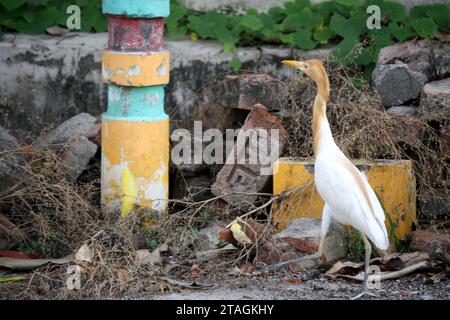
145	257
84	254
29	264
57	31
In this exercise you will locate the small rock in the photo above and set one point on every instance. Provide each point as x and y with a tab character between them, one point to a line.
208	238
435	204
145	257
304	235
435	100
433	243
12	162
442	60
397	83
403	111
77	156
82	124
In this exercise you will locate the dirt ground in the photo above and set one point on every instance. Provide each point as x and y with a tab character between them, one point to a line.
310	285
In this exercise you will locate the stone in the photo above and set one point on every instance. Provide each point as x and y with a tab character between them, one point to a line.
77	155
13	167
402	70
247	175
432	242
214	116
408	129
304	235
397	83
403	111
435	100
82	124
442	60
208	238
418	55
434	204
247	90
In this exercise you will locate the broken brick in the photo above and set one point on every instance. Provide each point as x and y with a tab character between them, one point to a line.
248	176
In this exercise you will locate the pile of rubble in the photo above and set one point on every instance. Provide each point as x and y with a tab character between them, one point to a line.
413	80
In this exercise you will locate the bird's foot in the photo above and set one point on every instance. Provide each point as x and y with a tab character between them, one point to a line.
365	292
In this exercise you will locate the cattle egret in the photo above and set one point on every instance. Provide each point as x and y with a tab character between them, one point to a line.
348	197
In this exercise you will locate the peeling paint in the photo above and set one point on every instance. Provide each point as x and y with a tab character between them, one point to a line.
134	71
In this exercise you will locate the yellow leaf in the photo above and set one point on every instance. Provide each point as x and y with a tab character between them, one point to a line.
239	234
129	191
194	36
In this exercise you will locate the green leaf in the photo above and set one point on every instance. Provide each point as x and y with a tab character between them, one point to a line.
235	64
251	22
229	47
425	27
302	40
395	11
11	5
177	12
348	3
323	35
277	14
440	13
401	33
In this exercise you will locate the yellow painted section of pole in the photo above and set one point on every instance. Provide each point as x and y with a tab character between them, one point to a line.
136	68
392	180
135	162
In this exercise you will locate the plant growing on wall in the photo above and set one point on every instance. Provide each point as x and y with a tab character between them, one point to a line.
298	24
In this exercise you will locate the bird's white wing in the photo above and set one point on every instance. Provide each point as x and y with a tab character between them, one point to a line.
350	196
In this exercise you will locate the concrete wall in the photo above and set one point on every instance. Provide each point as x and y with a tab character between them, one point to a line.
45	80
264	5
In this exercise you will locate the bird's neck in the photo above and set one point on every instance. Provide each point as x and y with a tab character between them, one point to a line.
321	128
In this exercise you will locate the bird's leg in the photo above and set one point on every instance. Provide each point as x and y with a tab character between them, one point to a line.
368	252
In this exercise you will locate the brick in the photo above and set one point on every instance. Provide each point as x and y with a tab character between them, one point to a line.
247	90
304	235
247	177
435	100
392	180
434	243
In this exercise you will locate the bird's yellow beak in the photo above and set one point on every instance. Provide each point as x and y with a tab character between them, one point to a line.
292	63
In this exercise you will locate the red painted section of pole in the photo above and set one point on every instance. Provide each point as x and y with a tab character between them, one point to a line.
135	34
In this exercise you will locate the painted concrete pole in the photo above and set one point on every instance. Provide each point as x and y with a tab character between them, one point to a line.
135	129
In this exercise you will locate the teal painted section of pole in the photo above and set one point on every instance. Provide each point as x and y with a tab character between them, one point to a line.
137	8
135	103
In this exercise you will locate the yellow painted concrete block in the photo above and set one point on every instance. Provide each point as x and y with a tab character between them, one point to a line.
136	68
392	180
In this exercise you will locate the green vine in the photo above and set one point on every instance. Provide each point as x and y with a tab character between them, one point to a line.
298	24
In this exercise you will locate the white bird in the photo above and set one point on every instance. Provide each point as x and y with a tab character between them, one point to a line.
348	197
